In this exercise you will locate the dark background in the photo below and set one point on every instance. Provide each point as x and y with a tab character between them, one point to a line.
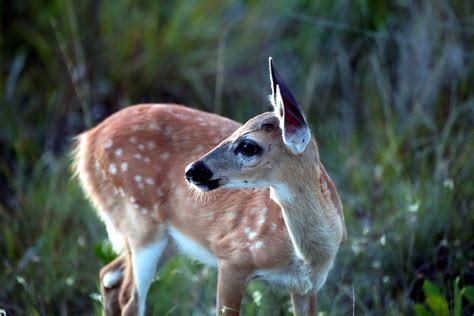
388	87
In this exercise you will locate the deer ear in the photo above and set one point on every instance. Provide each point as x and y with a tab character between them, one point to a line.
295	130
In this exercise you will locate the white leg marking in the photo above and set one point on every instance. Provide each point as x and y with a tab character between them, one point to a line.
111	278
144	262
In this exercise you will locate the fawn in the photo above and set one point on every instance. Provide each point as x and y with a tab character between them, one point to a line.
144	169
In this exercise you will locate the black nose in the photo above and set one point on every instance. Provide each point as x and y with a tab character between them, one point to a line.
198	172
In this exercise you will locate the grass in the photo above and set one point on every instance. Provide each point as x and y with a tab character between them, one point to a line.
387	87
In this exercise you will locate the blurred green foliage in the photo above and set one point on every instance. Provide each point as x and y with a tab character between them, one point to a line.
438	304
386	85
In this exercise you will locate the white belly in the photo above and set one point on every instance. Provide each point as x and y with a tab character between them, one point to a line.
192	248
296	276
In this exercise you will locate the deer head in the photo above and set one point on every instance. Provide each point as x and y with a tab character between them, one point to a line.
255	154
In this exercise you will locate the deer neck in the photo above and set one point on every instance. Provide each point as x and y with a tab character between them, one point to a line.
313	228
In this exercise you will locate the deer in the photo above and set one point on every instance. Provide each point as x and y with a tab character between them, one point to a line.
252	200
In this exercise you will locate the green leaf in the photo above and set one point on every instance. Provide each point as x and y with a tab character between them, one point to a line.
9	240
468	293
430	289
457	298
420	310
438	305
104	252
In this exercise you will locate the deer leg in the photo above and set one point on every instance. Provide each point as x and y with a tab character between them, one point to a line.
303	305
127	299
231	285
144	264
111	277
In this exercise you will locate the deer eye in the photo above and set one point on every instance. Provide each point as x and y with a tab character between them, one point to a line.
248	148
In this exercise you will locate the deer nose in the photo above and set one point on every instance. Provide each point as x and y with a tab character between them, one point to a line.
198	172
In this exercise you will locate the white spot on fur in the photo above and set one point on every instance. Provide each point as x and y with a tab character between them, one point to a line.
118	152
97	165
165	156
137	178
144	211
137	156
192	248
133	140
151	145
108	143
146	159
141	147
150	181
112	169
124	166
132	200
261	219
250	234
181	116
111	278
258	244
273	226
154	126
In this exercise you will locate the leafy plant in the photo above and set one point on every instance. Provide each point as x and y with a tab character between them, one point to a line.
437	304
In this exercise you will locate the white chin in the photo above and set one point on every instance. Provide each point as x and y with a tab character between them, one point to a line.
240	185
200	187
203	188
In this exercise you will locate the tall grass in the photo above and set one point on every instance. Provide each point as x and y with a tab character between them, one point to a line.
388	89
